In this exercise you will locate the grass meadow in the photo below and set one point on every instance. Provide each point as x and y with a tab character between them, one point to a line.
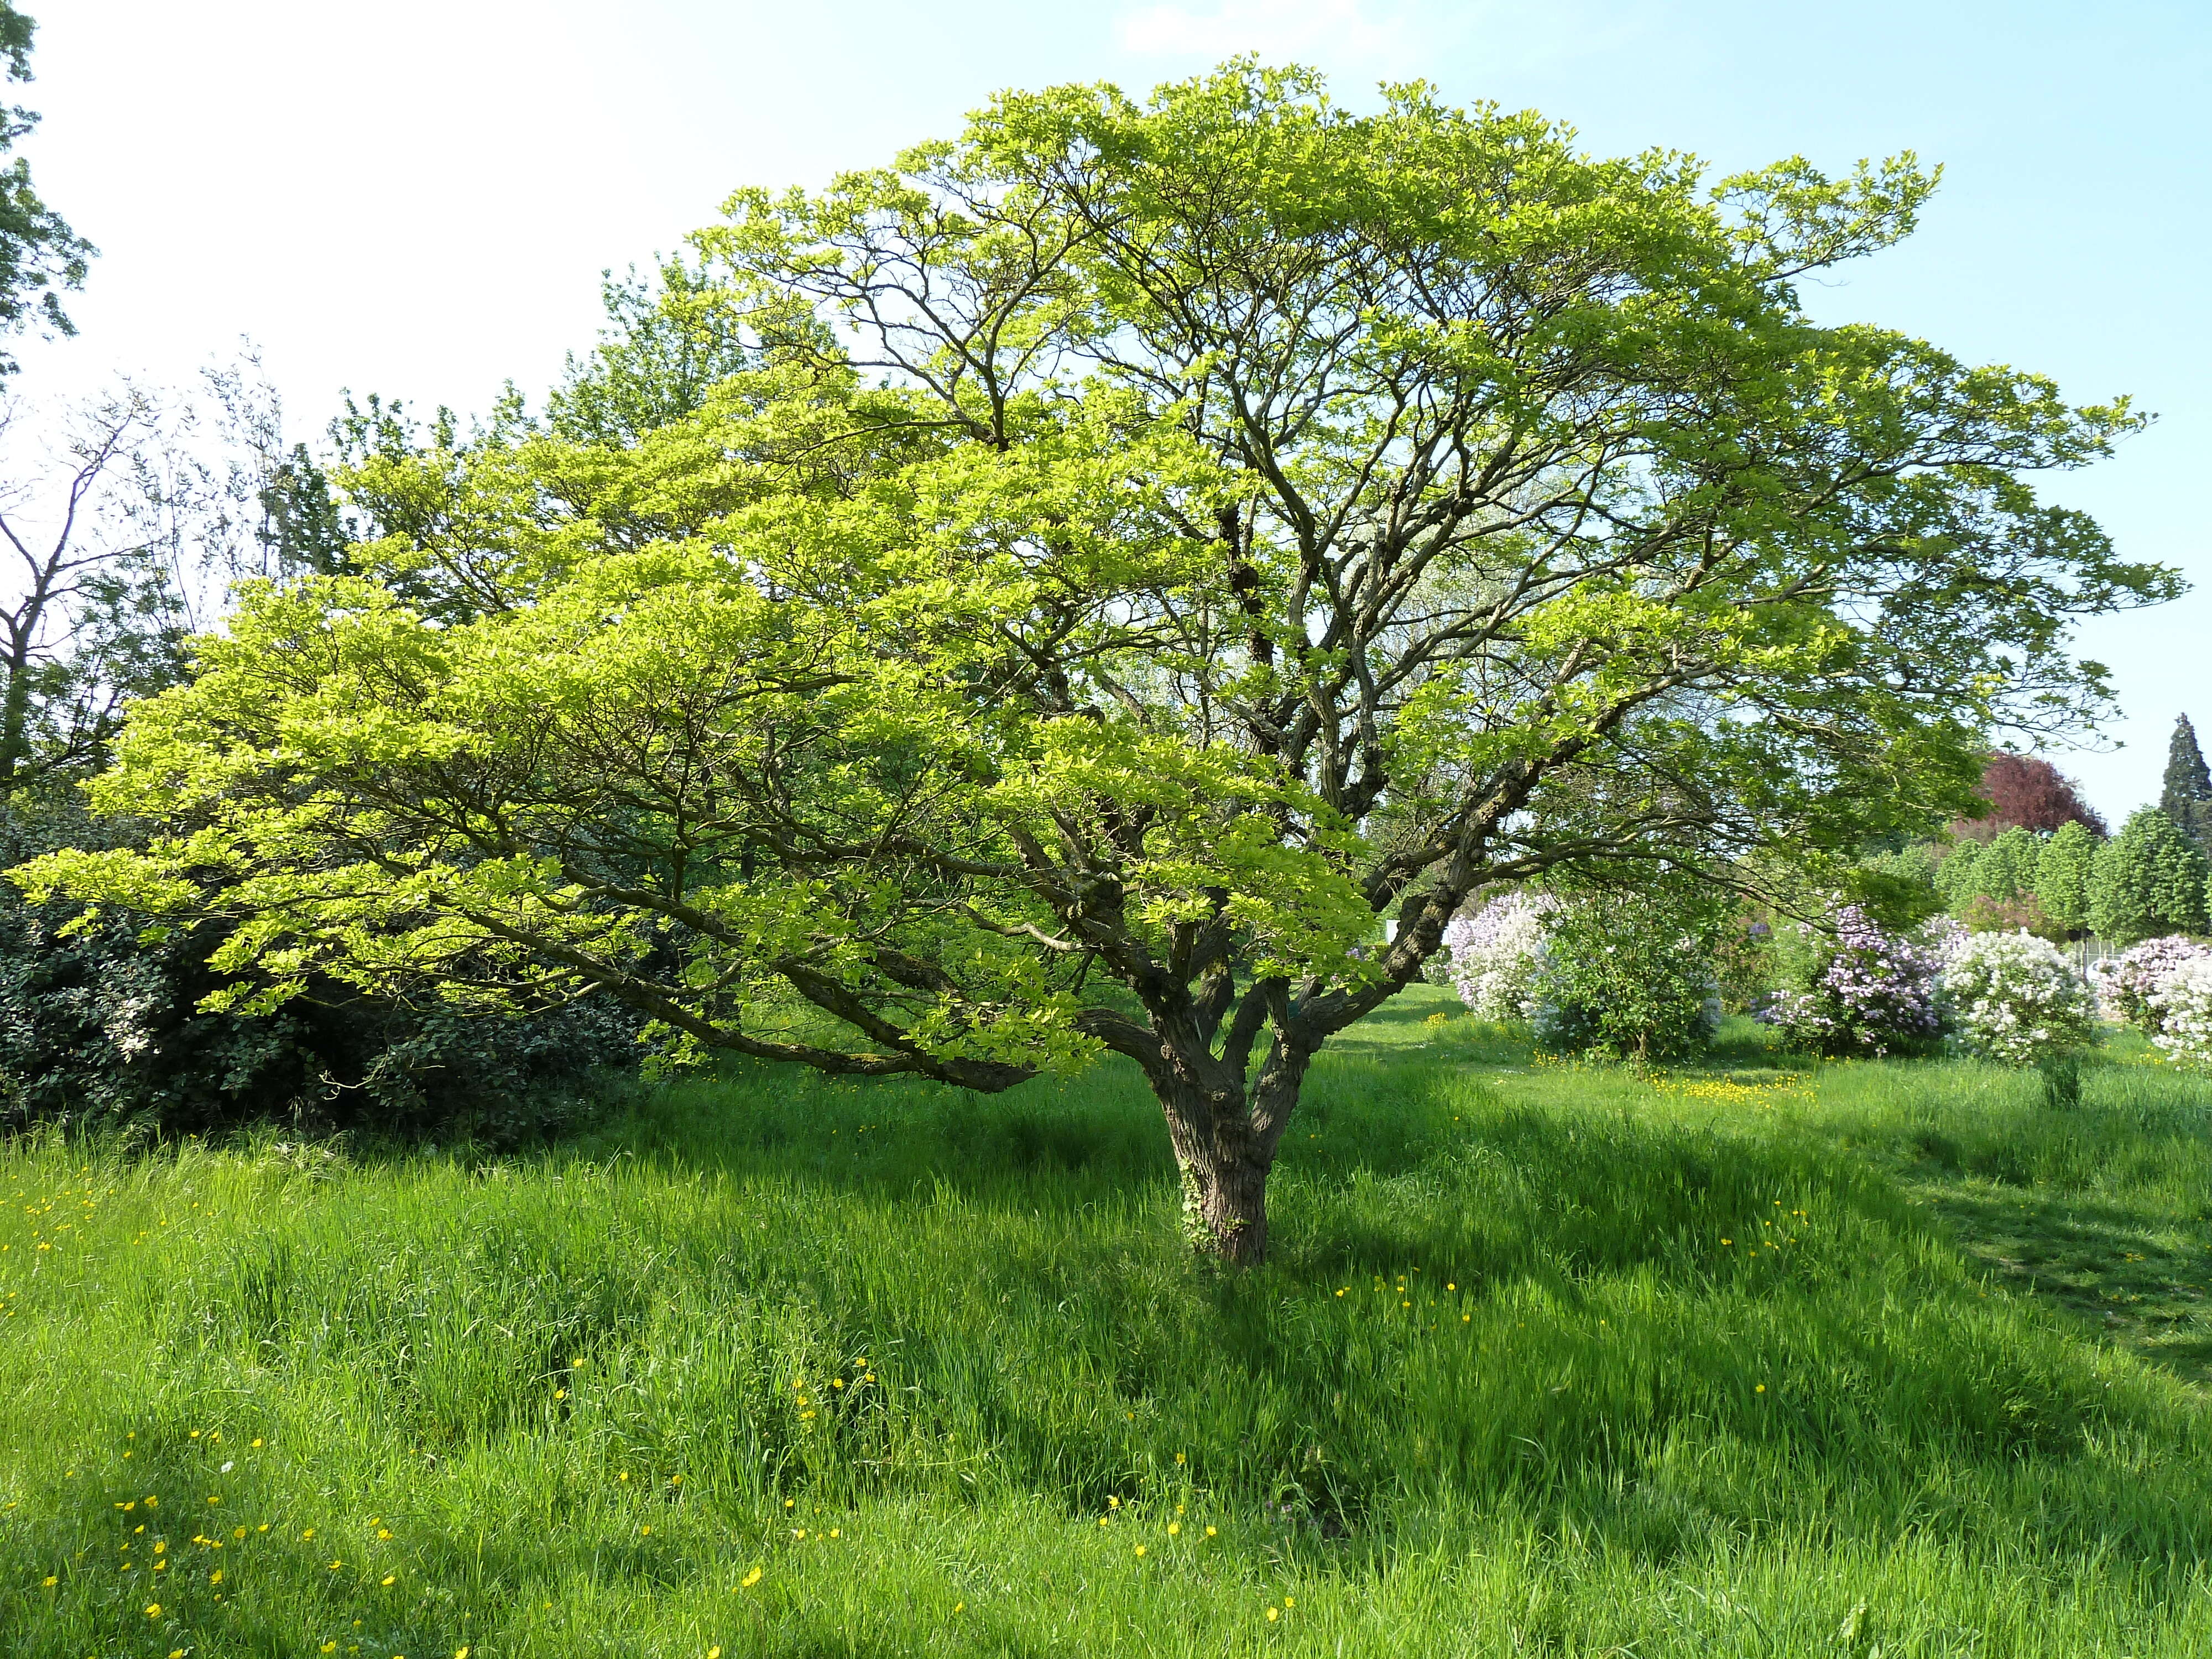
1762	1358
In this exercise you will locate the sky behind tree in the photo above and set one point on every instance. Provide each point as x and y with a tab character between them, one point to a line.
417	198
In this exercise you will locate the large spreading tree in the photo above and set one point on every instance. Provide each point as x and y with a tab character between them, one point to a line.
1147	545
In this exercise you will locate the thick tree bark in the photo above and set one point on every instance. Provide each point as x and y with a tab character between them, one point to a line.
1224	1134
1224	1173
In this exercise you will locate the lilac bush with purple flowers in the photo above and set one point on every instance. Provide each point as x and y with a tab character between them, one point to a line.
1868	992
2183	1007
1497	955
2127	983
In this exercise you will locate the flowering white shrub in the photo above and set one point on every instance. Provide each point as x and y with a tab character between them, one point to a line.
2184	1008
1497	955
2016	998
2127	983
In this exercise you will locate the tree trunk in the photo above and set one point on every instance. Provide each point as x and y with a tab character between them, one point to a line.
1224	1170
1224	1207
14	719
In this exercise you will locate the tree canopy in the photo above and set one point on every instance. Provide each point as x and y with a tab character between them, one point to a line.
2148	879
2027	792
1137	547
39	254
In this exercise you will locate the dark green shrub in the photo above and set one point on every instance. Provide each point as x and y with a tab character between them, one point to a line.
97	1026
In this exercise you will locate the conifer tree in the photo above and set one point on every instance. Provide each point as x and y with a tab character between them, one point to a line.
2149	880
2187	797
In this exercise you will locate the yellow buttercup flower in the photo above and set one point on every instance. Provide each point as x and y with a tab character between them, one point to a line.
750	1579
1272	1615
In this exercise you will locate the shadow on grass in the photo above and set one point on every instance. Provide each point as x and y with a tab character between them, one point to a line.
1659	1323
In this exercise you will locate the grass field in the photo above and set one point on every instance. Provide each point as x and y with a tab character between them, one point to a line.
1749	1360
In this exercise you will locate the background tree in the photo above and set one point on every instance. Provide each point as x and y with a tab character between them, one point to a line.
2026	792
1155	543
1958	878
39	254
2149	880
2008	869
2186	798
96	616
667	344
126	525
2063	878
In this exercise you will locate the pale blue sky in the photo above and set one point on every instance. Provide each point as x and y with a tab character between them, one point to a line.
415	197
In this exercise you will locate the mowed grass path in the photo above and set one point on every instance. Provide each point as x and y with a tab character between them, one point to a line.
1551	1360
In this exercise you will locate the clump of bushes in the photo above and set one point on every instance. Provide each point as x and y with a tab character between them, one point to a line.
1632	974
2128	984
1498	955
1859	989
1627	973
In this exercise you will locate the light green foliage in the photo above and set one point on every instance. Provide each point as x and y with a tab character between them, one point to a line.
1958	878
2148	879
1145	542
470	1355
2007	870
2063	876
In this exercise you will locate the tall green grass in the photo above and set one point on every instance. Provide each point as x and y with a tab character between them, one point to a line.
1551	1360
